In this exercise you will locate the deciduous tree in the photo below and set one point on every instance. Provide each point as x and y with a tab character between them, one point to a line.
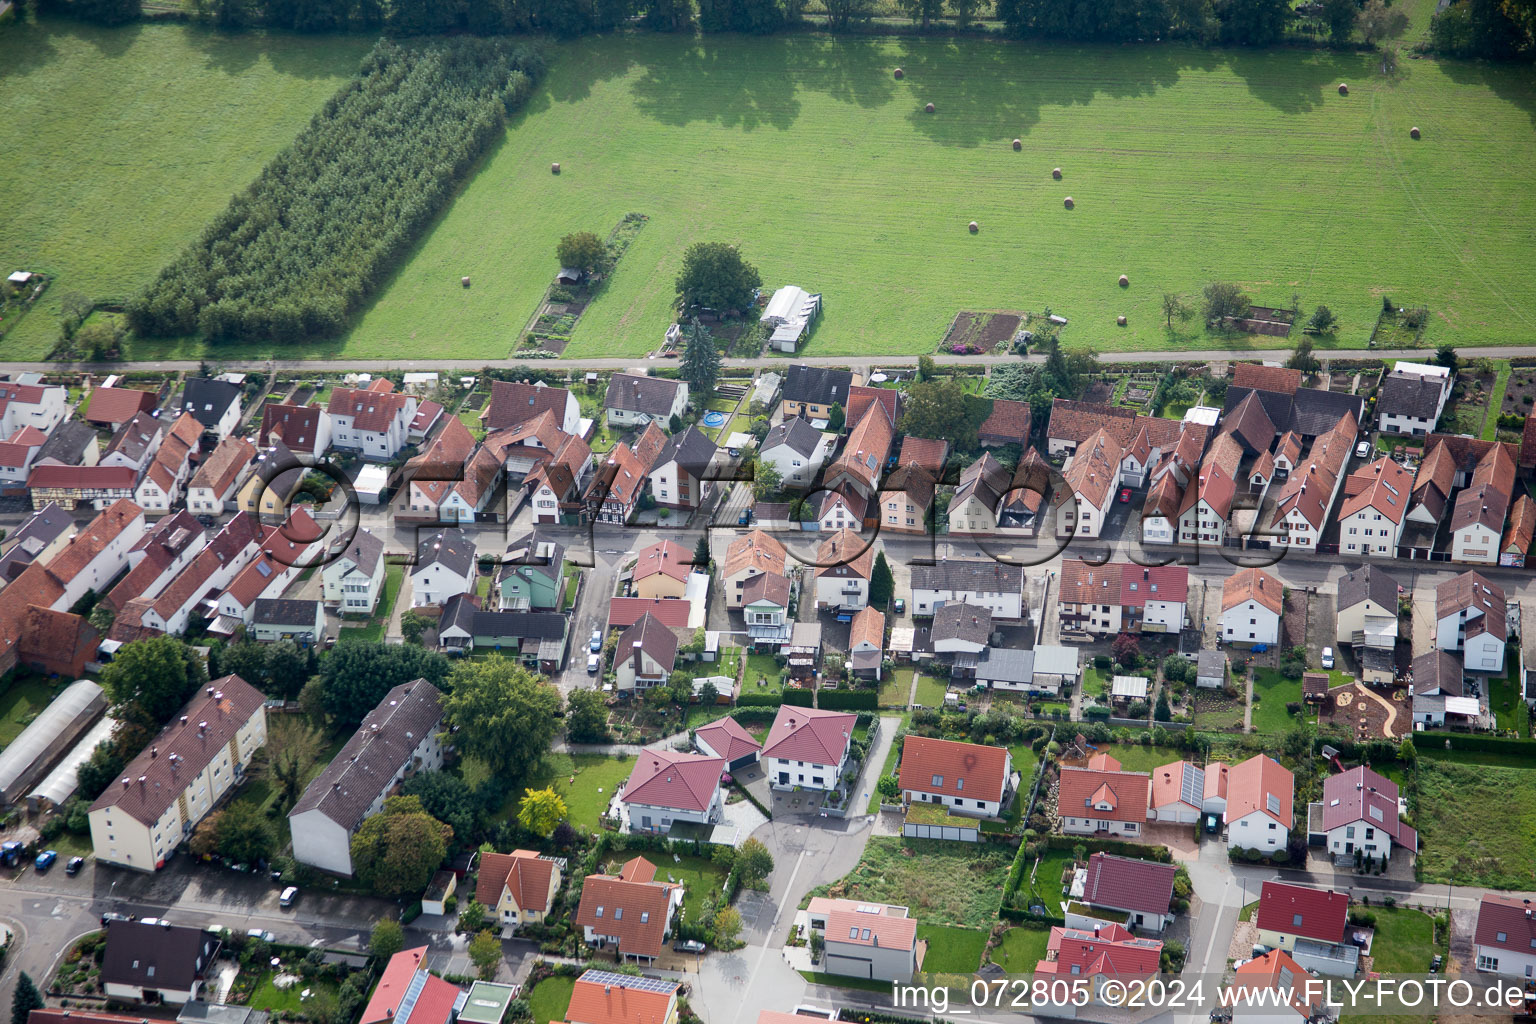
293	748
387	939
766	479
727	926
1377	21
395	852
754	861
582	250
505	715
485	953
357	676
449	799
1224	299
541	811
586	717
149	680
715	276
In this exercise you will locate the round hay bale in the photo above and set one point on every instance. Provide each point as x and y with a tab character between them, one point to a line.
975	227
898	72
1125	282
1056	173
1343	89
1067	202
929	108
1120	321
1018	144
464	281
554	168
1413	132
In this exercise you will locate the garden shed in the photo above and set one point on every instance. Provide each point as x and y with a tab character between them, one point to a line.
1211	670
1129	688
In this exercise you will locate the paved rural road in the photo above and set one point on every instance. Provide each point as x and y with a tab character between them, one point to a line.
778	362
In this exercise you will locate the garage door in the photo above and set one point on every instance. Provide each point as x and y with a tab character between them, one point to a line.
849	967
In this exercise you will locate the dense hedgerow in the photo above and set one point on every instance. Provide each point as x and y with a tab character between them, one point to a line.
301	249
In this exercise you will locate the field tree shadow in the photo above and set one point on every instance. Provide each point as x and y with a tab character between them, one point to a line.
293	54
724	82
1295	82
576	66
1511	83
1005	85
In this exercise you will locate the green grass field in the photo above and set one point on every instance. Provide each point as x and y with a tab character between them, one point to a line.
931	691
23	701
1134	757
550	998
699	875
267	996
951	950
1460	841
597	777
1404	942
896	688
121	144
1271	692
1164	150
1020	949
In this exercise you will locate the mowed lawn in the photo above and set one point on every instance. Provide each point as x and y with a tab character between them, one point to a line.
121	144
1020	949
1271	692
596	777
806	152
1460	841
951	950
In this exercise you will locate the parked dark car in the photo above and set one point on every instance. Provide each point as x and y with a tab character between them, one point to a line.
73	867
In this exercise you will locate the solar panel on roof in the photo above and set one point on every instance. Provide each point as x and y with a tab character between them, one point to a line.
629	981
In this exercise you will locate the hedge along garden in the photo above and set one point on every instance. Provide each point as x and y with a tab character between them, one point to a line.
303	247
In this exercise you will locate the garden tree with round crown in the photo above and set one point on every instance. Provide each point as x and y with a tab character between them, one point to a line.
1225	300
582	250
294	747
412	625
715	276
766	479
1062	375
449	799
472	917
889	787
727	926
1322	321
1339	16
541	810
1302	358
586	717
506	716
754	861
243	834
709	694
386	939
395	852
1378	21
485	953
922	12
701	361
837	418
882	583
149	680
941	408
1175	306
356	676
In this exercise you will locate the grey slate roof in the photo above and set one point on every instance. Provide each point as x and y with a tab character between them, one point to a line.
523	553
365	548
817	385
1368	581
692	450
797	434
978	576
961	621
133	439
1408	394
207	399
1211	663
284	611
376	752
42	528
452	547
1006	665
156	956
1309	412
67	444
651	395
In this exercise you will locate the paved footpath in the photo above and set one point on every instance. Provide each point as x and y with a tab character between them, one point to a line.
771	363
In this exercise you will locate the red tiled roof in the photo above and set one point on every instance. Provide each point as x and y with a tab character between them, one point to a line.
372	409
523	872
864	454
117	405
1125	883
810	734
1122	583
221	468
845	549
1008	422
925	452
684	782
1522	527
758	550
1514	917
967	770
402	967
1168	784
728	738
1274	970
1095	469
1251	783
1105	795
624	612
666	557
1266	378
1109	951
862	928
861	397
1383	485
514	402
427	414
867	627
83	478
297	426
1252	585
597	999
644	902
1076	422
84	547
1298	910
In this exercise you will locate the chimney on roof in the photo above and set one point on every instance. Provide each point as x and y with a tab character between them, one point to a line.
142	780
127	783
154	752
210	691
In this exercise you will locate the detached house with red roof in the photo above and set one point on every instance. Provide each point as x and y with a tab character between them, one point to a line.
668	788
304	429
807	748
371	421
1359	813
214	484
603	997
408	993
1106	953
1251	607
516	402
1093	477
965	778
1505	938
645	656
1310	924
662	570
727	739
1138	892
1375	508
17	453
877	941
1300	999
630	912
518	887
1101	799
1258	810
